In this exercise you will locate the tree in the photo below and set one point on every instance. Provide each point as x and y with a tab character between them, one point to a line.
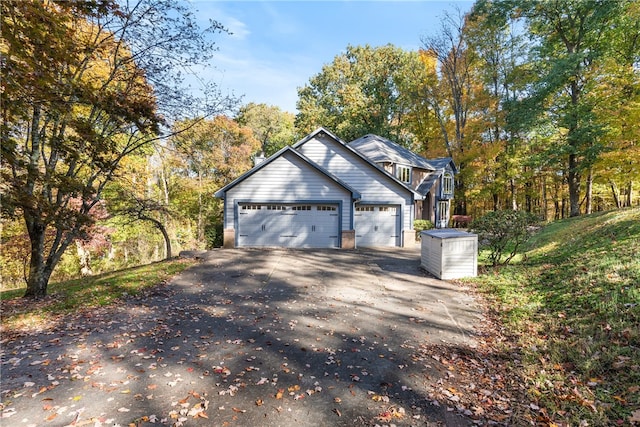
571	39
451	97
86	85
271	126
206	157
504	231
362	91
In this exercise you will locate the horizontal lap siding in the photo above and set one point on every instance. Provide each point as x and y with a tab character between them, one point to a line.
359	174
287	179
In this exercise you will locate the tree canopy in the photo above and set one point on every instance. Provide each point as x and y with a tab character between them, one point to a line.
86	84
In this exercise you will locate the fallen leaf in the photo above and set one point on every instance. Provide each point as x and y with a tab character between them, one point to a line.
241	411
259	402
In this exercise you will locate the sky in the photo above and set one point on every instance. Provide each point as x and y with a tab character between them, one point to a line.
277	46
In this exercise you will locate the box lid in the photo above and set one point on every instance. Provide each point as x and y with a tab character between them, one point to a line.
447	233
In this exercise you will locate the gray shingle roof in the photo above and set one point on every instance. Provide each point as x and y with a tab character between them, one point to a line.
380	149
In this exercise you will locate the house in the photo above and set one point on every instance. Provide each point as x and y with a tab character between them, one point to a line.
324	193
431	178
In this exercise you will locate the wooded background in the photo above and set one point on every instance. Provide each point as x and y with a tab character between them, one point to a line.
108	161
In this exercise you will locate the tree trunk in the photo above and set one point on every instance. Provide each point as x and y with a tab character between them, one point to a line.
589	195
84	256
39	270
38	277
614	192
574	186
545	199
514	201
163	230
167	240
629	194
200	211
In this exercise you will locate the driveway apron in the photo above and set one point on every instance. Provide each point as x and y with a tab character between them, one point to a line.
251	337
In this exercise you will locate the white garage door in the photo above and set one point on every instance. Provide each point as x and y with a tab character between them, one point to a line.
288	225
377	225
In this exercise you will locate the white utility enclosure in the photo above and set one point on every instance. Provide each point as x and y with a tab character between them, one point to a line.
449	254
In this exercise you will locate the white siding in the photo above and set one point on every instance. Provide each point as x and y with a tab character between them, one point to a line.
287	179
361	176
449	254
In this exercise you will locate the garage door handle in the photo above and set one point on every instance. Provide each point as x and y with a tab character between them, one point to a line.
376	228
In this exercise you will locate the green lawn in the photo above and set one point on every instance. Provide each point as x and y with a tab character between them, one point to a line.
84	293
572	302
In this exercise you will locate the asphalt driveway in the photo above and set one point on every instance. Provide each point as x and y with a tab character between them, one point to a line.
253	337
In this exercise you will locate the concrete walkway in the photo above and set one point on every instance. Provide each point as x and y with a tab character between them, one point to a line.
252	337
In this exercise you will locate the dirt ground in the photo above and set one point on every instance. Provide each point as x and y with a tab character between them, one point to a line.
257	337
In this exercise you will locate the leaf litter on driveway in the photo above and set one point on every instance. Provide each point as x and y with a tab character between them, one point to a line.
267	338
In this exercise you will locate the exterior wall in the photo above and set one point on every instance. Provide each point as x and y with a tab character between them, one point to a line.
348	239
361	176
417	176
288	179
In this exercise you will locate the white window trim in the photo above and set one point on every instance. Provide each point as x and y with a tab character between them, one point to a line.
447	183
399	173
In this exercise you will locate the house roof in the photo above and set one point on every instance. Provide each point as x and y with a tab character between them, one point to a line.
440	166
221	192
442	162
361	155
380	149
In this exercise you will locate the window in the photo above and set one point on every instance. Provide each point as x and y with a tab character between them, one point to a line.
276	208
364	209
403	173
390	209
447	184
443	213
251	207
326	208
301	208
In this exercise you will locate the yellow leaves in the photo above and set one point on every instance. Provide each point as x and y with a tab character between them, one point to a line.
391	413
379	398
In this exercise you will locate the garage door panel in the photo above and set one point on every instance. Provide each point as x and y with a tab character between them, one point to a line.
293	226
377	225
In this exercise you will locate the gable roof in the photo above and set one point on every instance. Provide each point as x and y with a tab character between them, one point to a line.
380	149
440	166
362	156
441	163
221	192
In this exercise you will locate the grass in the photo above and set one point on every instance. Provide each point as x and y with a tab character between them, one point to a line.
83	294
572	302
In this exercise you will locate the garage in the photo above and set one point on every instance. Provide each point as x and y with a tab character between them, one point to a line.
288	225
377	225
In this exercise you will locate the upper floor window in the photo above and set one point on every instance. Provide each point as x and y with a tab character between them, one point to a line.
403	173
447	184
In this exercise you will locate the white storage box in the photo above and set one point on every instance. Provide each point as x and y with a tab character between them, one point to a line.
449	254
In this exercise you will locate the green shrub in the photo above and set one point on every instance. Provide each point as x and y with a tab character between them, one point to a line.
499	230
420	225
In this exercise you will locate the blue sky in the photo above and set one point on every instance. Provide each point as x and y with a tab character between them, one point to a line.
277	46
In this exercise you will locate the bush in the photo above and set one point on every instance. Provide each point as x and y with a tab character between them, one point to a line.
499	230
421	225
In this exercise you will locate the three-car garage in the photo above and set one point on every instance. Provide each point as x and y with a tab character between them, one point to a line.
312	225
